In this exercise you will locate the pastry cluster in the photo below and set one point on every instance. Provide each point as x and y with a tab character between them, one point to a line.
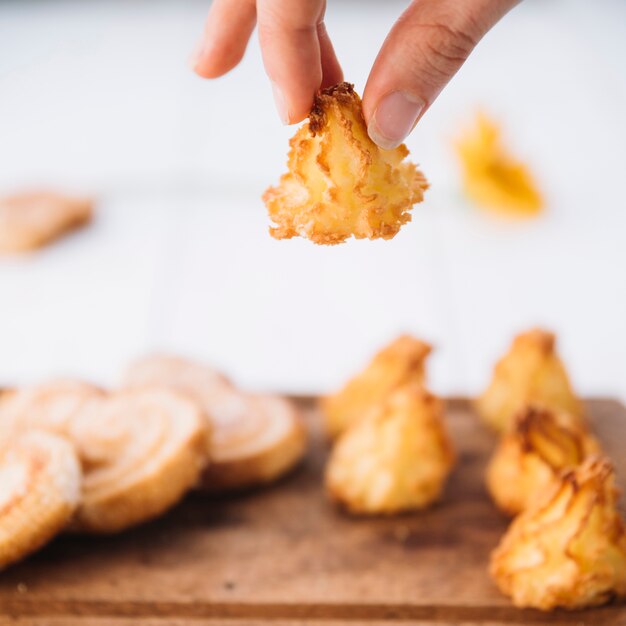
391	451
567	545
75	457
339	183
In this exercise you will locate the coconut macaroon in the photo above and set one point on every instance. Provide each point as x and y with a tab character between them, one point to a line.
530	373
31	220
569	548
40	483
141	451
255	439
397	458
493	178
402	361
530	457
340	184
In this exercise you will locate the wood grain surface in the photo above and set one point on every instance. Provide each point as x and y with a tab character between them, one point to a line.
285	554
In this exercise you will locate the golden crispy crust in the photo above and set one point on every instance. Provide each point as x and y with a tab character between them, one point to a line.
397	458
343	93
530	458
339	183
530	373
31	220
400	362
569	548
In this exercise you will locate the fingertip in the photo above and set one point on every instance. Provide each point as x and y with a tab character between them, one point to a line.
207	62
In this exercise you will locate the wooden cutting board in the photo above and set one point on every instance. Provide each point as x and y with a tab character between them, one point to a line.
285	554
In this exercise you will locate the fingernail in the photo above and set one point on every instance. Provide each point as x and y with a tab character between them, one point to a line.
281	103
394	119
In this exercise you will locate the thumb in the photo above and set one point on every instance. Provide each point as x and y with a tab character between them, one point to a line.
424	49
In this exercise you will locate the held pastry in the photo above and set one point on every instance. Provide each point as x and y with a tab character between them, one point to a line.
31	220
569	548
530	373
397	458
255	439
401	362
40	482
530	458
142	451
340	184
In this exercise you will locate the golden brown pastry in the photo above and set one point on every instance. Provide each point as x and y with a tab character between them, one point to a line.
396	458
31	220
340	184
255	439
141	452
532	455
530	373
397	364
40	480
47	406
493	178
569	548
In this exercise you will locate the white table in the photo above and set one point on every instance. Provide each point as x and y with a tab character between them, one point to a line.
96	97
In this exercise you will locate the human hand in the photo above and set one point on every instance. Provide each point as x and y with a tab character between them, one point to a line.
425	48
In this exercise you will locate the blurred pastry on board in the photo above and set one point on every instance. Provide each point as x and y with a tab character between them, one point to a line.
400	362
396	458
31	220
340	184
141	451
569	548
48	406
255	440
40	484
492	177
531	456
531	372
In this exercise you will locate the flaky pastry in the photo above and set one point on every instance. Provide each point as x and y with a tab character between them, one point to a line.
255	439
46	406
40	482
530	373
492	177
400	362
141	452
396	458
531	456
340	184
569	548
31	220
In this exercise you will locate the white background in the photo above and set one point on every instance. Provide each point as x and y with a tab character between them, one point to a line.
96	97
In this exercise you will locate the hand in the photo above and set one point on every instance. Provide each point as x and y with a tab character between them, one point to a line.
424	49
